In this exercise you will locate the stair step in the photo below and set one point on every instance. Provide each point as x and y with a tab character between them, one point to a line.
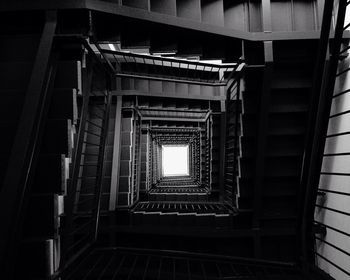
178	197
179	189
159	218
180	207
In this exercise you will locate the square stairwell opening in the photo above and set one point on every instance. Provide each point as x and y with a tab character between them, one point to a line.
175	160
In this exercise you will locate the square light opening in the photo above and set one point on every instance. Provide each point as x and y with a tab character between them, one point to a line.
175	160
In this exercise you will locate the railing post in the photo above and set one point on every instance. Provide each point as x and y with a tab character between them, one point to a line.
236	142
223	123
77	156
73	198
101	165
139	159
116	156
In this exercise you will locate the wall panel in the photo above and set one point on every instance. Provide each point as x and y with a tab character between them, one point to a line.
335	182
336	164
163	6
340	104
333	219
141	4
333	254
236	15
255	18
190	9
339	124
281	15
332	202
337	145
336	201
213	12
342	83
303	12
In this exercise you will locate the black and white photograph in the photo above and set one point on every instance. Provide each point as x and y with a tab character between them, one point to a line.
175	140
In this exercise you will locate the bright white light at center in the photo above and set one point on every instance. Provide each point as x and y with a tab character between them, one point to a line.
175	160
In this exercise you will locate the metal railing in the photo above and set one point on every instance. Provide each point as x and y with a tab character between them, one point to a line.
323	88
233	115
136	165
206	179
84	192
152	67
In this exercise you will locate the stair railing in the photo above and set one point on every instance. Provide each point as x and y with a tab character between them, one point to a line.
84	192
323	87
136	152
233	97
160	68
208	145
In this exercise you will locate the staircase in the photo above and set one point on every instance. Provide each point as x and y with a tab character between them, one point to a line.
45	236
173	132
232	145
43	219
41	237
177	201
287	116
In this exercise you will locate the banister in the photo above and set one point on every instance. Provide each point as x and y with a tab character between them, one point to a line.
71	251
234	87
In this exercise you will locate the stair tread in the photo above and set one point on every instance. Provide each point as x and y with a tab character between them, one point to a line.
186	207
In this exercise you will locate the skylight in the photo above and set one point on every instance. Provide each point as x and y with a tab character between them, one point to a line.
175	160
